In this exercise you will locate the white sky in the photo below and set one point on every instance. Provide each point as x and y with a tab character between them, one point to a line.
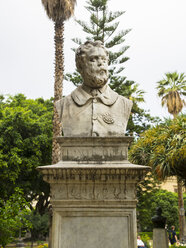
157	45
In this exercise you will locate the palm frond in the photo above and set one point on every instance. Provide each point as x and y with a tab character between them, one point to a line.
59	10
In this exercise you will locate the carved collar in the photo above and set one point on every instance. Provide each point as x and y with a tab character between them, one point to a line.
83	93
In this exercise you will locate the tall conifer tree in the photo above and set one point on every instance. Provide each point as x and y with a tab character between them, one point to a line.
103	25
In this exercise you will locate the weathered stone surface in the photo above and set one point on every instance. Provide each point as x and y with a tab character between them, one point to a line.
96	207
86	182
160	238
94	200
91	232
97	149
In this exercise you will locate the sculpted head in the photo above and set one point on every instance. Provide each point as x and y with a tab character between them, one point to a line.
92	63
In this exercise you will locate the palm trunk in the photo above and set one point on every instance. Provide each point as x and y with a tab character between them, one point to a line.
58	87
181	209
59	69
180	205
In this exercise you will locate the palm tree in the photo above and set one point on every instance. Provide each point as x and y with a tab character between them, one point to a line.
58	11
171	88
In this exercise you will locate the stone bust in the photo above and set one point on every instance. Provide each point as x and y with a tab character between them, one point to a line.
158	220
93	109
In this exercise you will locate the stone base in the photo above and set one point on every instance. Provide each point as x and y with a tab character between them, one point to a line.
90	228
184	236
93	198
160	238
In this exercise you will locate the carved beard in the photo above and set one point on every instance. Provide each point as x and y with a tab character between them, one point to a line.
95	78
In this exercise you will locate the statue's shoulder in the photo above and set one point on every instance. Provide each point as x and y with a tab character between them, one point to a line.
126	100
80	96
75	93
118	97
60	103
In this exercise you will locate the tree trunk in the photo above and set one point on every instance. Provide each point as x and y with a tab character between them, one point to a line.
32	243
181	209
58	87
59	69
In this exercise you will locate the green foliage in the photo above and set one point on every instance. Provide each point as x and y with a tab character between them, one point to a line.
177	246
43	246
148	234
146	189
184	198
145	238
12	216
147	208
103	25
163	148
25	143
40	224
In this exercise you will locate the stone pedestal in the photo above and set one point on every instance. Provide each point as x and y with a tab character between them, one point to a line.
160	238
184	231
93	193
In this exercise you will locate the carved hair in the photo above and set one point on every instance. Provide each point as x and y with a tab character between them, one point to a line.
83	50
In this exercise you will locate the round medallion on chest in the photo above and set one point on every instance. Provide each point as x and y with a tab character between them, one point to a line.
107	118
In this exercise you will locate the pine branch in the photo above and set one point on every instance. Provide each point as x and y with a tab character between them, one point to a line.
118	39
85	27
123	60
113	15
77	41
114	56
120	70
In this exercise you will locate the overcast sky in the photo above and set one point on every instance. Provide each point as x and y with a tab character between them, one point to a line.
157	45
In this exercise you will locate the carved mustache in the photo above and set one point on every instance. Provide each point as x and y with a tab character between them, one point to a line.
98	70
102	70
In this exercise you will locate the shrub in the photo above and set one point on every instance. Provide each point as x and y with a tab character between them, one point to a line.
43	246
145	238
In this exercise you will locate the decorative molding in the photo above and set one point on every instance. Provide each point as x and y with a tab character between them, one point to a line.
96	141
94	148
83	173
90	191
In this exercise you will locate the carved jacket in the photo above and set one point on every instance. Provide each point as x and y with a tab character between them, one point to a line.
94	112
